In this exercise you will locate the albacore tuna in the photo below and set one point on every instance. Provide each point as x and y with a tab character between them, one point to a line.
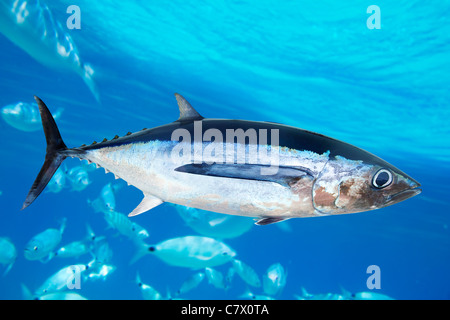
264	170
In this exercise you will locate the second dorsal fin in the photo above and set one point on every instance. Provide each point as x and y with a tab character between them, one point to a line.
187	113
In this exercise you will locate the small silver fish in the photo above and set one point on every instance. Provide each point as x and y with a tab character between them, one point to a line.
246	273
73	249
58	181
61	296
125	226
59	280
31	25
148	292
215	278
99	272
212	224
320	296
194	252
42	245
64	295
250	295
274	280
190	283
78	177
8	254
365	295
106	201
76	249
25	116
102	253
371	296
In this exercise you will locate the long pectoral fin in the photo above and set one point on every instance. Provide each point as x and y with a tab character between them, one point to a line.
149	202
282	175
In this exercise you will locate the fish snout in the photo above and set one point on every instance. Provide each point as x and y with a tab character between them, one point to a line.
411	189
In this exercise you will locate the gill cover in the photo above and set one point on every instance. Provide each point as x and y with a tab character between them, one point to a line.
343	187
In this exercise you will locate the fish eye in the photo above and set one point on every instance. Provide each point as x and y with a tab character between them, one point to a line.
382	179
35	248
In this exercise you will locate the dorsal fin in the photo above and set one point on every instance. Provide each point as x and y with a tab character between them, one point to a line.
187	113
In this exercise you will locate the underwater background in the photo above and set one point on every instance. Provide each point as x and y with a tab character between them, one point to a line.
310	64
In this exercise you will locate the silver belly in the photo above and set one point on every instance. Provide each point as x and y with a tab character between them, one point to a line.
148	167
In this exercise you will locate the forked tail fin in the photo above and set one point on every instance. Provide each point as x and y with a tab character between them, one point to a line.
54	156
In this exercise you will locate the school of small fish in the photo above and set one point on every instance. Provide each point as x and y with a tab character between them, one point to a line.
206	254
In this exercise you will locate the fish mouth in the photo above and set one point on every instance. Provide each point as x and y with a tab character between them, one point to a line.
405	194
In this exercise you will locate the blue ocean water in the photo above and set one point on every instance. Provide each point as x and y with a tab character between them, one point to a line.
313	65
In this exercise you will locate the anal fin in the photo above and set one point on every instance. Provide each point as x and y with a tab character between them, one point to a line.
149	202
